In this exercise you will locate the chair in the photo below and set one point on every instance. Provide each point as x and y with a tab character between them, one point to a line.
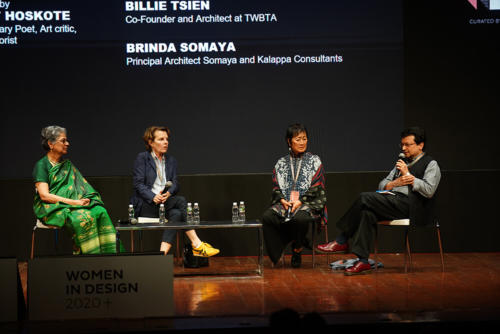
318	228
40	225
406	224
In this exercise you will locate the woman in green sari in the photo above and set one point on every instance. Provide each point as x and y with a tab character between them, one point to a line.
64	198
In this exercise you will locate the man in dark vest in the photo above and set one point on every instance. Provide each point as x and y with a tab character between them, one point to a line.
407	192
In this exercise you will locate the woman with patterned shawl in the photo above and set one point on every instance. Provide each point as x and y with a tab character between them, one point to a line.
298	197
64	198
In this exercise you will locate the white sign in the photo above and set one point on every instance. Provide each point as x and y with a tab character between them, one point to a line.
138	286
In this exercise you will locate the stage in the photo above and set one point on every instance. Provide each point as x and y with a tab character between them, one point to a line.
466	295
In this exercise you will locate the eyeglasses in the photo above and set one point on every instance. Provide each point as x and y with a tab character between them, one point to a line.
62	141
406	145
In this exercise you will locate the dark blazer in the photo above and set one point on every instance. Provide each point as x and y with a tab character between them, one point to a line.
144	176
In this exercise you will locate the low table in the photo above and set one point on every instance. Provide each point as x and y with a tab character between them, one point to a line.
224	224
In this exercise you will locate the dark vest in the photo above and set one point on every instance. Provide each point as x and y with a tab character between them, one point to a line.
421	208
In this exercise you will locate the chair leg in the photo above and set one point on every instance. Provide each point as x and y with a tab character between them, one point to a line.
132	241
33	243
326	241
56	239
440	246
281	262
407	253
375	248
178	253
313	235
140	241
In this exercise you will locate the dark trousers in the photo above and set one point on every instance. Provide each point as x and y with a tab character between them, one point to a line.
175	211
278	234
359	222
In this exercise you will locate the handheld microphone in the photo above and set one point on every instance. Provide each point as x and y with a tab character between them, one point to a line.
402	157
168	184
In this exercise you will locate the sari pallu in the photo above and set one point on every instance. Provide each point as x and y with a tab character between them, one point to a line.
90	226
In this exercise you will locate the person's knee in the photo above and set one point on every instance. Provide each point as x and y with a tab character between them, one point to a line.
179	202
181	199
268	217
368	198
366	195
174	215
303	218
99	210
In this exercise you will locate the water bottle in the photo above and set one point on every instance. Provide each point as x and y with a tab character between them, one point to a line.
242	212
162	214
236	213
131	214
189	213
196	213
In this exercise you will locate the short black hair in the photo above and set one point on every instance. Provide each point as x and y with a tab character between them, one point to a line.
417	132
293	130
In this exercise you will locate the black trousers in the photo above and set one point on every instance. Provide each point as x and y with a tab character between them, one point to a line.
175	211
359	222
278	234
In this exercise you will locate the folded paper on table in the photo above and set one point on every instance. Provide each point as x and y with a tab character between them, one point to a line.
147	220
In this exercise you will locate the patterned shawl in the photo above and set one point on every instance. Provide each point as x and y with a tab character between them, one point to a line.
310	184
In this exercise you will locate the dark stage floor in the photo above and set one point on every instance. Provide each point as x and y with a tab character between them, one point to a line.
424	300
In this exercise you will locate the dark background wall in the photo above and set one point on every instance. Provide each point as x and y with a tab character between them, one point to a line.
451	86
215	112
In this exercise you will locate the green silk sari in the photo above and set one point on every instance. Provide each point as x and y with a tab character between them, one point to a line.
90	226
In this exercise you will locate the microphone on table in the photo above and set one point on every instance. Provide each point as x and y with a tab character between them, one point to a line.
402	157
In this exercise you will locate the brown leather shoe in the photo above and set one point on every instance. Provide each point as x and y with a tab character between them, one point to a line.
333	248
359	268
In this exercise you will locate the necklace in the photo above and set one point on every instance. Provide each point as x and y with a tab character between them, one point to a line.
53	163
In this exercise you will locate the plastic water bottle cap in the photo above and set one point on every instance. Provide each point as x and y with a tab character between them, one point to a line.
234	203
130	206
242	202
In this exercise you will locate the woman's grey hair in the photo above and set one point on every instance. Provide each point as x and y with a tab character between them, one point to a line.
51	133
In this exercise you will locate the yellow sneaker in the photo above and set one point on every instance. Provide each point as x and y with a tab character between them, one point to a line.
205	250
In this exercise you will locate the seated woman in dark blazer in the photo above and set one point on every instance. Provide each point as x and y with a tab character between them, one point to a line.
152	170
